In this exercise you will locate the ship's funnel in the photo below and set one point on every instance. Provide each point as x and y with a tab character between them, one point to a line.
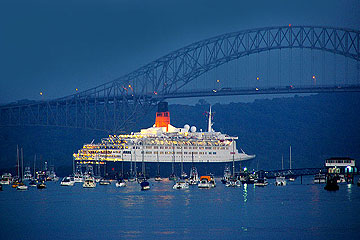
162	116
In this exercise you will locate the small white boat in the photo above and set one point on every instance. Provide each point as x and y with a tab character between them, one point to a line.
6	179
22	186
158	178
261	182
194	176
320	178
104	182
205	182
181	185
89	182
341	179
27	174
120	183
78	178
233	183
280	181
67	181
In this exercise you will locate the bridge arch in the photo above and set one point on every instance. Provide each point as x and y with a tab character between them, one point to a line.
111	106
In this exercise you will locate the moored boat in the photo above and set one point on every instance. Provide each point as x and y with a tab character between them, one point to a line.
331	183
320	178
6	179
205	182
280	181
41	185
194	176
22	186
104	182
67	181
261	182
145	185
227	175
89	182
120	183
181	184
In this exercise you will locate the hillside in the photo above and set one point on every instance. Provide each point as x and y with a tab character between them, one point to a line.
317	127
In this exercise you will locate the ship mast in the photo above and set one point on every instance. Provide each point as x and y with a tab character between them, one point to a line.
209	121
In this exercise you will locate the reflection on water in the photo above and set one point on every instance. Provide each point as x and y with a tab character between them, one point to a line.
245	194
294	211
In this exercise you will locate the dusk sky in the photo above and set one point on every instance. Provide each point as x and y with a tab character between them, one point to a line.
57	46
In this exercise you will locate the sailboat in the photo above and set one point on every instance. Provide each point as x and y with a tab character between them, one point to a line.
290	173
183	175
16	179
21	185
145	185
132	177
158	177
194	176
172	176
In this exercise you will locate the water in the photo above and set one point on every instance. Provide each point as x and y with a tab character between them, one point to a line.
295	211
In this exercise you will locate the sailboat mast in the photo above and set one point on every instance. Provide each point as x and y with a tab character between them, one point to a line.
182	163
34	165
173	162
122	164
22	164
233	153
18	160
142	161
282	161
290	156
209	121
158	164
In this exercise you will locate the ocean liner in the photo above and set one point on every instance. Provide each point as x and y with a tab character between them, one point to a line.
165	144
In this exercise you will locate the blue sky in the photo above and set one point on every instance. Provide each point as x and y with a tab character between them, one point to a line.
57	46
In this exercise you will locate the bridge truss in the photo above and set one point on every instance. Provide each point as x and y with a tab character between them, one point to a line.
113	106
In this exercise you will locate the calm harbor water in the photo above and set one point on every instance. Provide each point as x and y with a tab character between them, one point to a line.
295	211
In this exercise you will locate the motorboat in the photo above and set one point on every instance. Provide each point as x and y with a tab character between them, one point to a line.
89	182
261	182
331	183
280	181
145	185
158	178
22	186
41	185
67	181
320	178
233	183
104	182
27	174
181	184
205	182
15	182
227	175
6	179
184	176
341	179
78	178
212	181
120	183
172	177
32	183
194	176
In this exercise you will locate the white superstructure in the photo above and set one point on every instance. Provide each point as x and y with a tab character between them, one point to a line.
165	143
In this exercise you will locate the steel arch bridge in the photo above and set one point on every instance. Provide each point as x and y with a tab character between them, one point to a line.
113	106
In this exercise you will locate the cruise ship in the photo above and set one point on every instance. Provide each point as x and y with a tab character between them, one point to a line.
166	145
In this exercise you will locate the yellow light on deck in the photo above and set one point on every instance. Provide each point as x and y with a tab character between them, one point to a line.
41	93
